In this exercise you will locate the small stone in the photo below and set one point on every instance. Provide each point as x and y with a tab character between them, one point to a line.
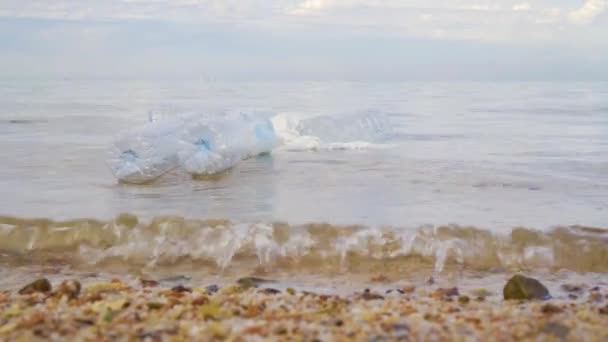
409	289
69	288
281	331
551	309
270	291
368	295
180	289
37	286
604	310
463	299
200	300
84	321
572	296
148	283
524	288
450	292
212	288
154	305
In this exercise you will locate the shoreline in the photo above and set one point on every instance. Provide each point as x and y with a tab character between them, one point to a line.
79	308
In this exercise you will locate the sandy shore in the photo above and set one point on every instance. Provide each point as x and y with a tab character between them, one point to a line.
252	309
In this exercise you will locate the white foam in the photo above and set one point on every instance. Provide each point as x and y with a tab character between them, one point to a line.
349	132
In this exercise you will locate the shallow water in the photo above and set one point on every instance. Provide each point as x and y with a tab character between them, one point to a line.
492	156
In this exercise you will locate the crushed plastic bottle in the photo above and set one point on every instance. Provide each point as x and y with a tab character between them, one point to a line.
205	144
211	146
147	152
365	126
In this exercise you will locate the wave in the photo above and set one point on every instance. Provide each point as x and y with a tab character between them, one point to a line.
220	245
366	130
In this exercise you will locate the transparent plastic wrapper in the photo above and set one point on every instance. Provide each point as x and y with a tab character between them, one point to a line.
211	146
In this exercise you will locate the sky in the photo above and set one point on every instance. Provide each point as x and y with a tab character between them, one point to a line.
305	39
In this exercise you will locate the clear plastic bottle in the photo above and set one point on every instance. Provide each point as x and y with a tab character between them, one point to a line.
366	126
212	146
147	152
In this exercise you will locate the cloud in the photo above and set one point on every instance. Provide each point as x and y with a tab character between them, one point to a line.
298	37
590	10
309	6
524	6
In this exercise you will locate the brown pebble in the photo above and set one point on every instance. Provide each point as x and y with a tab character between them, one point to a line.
520	287
281	331
69	288
270	291
452	309
148	283
551	309
367	295
84	321
408	289
445	293
90	298
42	285
604	310
200	300
181	288
463	299
154	305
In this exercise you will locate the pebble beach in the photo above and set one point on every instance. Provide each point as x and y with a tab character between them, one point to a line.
254	309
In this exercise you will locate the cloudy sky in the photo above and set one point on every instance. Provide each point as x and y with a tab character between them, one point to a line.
306	39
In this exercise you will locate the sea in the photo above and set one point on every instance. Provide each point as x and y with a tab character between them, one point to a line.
409	180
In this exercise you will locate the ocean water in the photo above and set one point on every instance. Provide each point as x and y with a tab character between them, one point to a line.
485	176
